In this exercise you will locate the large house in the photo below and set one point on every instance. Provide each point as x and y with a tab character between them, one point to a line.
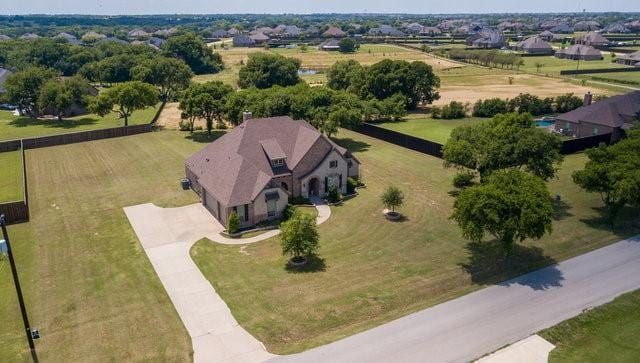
631	59
580	52
254	169
534	45
334	32
593	39
486	38
612	115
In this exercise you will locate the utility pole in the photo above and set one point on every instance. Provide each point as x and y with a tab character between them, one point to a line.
16	281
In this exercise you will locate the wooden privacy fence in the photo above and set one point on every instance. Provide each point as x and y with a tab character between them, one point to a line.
599	70
583	143
18	211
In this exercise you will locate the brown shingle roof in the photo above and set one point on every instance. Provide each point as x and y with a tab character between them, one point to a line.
236	167
613	111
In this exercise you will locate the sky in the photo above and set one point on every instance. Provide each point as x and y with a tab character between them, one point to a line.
141	7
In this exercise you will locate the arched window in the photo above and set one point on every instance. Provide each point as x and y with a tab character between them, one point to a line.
284	186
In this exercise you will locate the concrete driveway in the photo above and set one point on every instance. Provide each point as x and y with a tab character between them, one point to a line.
167	235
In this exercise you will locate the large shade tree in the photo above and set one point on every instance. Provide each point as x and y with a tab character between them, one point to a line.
58	96
194	52
206	100
23	88
170	75
124	99
511	205
613	172
507	141
264	70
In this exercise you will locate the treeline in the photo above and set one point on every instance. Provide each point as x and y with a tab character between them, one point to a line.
527	103
487	58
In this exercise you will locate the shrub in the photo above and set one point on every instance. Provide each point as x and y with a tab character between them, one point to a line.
299	200
463	180
233	224
490	107
334	195
184	125
352	184
453	110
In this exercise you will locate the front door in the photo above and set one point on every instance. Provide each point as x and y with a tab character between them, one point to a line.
314	187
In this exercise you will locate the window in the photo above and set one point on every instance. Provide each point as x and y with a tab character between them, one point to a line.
277	162
271	208
595	131
242	212
284	186
333	164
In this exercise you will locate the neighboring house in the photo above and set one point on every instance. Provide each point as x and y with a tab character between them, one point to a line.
330	45
562	29
233	32
291	31
631	59
487	38
334	32
137	33
593	39
243	41
312	30
430	31
634	25
220	33
4	73
4	37
69	38
386	31
580	52
414	28
158	42
618	28
534	45
259	38
587	25
548	36
611	115
254	169
29	36
263	30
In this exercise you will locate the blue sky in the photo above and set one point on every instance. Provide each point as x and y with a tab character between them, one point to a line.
308	6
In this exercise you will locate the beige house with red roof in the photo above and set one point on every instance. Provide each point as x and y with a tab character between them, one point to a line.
254	169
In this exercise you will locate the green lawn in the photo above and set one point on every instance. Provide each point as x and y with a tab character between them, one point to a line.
608	333
16	127
10	176
428	128
553	65
88	284
371	270
631	79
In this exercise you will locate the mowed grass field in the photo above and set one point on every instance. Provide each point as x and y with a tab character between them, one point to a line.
18	127
371	270
88	284
608	333
553	66
10	176
428	128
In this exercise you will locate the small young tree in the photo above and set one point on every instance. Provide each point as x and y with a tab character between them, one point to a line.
233	223
392	198
299	236
538	65
125	98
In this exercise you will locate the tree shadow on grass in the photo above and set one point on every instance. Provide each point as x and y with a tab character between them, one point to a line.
54	123
203	137
560	210
353	145
627	224
487	266
314	264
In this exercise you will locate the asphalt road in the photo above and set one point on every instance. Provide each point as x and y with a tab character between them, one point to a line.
466	328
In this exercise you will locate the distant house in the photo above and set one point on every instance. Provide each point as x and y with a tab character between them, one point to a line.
413	28
562	29
219	33
617	28
259	38
291	31
611	115
486	38
4	73
158	42
534	45
633	25
580	52
243	41
330	45
587	25
386	31
92	36
4	37
631	59
334	32
279	29
165	32
29	36
264	30
69	38
254	169
312	30
233	32
137	34
430	31
548	36
593	39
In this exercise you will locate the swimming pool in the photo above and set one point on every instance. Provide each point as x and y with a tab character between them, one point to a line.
545	123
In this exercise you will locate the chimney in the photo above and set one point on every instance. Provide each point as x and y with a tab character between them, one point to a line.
588	97
246	115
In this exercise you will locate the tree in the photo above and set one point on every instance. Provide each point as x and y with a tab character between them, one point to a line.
170	75
567	102
125	98
612	171
538	65
342	117
490	107
347	45
299	236
58	96
347	75
507	141
194	52
23	88
392	198
233	224
416	81
264	70
206	100
510	204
